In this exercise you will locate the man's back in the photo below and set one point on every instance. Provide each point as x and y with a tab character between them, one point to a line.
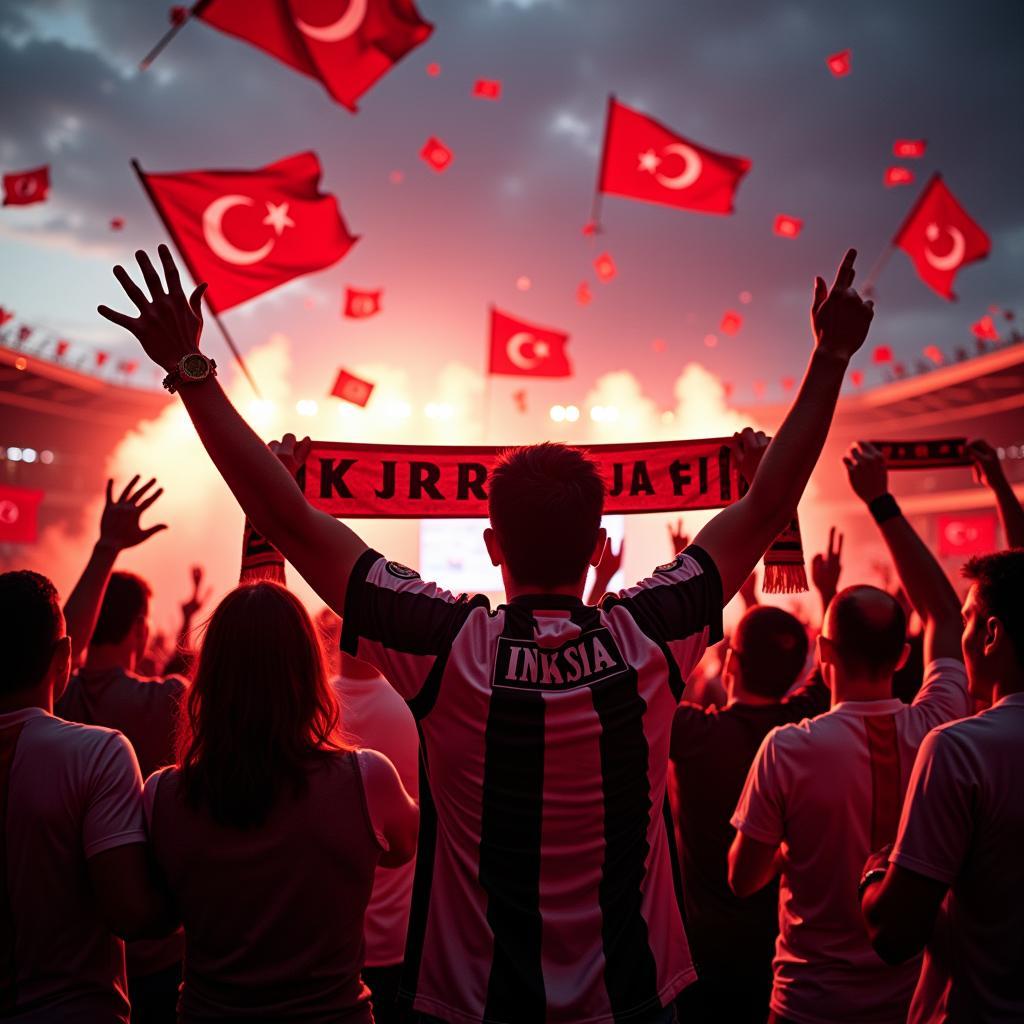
72	792
831	789
544	885
964	825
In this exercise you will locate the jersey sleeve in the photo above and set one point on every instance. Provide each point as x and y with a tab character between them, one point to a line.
936	824
760	813
943	696
402	625
113	806
679	606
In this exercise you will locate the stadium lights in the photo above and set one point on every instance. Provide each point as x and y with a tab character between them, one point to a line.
28	454
14	454
572	414
306	407
557	413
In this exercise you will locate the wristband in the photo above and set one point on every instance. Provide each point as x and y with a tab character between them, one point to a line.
870	877
883	508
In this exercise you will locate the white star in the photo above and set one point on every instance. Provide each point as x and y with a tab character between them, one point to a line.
541	349
277	217
649	161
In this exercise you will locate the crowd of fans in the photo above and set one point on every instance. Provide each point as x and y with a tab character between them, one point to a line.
419	807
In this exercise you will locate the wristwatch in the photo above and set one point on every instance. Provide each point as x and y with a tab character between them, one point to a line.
191	369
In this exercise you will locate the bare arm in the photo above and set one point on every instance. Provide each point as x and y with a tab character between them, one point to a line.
928	590
740	534
119	529
168	327
900	910
989	470
394	813
752	865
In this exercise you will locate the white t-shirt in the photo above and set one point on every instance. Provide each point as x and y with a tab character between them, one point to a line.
374	716
829	790
963	824
73	791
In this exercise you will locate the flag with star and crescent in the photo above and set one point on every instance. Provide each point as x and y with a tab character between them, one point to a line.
522	349
245	232
645	160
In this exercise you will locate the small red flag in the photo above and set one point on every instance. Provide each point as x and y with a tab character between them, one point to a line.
19	515
116	223
24	332
788	383
436	154
899	369
882	354
26	187
731	323
897	176
519	397
101	358
788	227
245	232
604	267
361	304
857	378
5	315
985	329
62	348
908	148
583	295
522	349
433	69
934	353
487	89
351	388
645	160
127	366
940	237
839	63
590	229
346	47
966	533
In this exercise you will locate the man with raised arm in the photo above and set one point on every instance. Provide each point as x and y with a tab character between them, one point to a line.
544	883
823	794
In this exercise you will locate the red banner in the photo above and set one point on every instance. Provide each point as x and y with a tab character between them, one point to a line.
19	515
354	481
966	533
941	453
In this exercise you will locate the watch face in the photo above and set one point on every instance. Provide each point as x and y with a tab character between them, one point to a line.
195	366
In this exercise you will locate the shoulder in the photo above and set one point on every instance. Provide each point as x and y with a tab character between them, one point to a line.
375	768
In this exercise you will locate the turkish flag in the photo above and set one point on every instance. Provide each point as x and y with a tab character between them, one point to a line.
361	304
352	389
857	378
934	353
839	63
487	89
604	267
898	176
436	154
5	315
787	227
967	533
983	329
907	148
731	322
521	349
27	187
882	354
940	237
19	515
245	232
346	46
645	160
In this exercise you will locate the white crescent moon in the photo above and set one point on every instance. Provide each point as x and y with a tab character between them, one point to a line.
954	257
514	347
213	232
8	513
692	170
348	23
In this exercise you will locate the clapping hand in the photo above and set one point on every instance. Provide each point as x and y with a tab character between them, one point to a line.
119	523
840	318
869	477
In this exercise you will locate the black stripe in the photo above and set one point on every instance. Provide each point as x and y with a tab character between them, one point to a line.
510	837
631	974
422	882
350	622
673	852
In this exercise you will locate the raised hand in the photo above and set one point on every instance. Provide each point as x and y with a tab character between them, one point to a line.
611	562
169	325
748	448
865	466
119	523
840	318
988	469
825	568
291	453
191	607
677	537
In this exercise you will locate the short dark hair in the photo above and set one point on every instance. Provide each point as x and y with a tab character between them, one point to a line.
771	646
545	503
1000	581
868	629
30	625
127	598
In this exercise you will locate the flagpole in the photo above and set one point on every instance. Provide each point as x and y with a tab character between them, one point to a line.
136	166
595	206
485	420
194	10
883	258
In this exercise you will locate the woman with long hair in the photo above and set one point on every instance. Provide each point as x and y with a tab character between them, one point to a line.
269	829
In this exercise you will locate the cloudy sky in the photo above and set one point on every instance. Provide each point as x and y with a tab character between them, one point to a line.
747	78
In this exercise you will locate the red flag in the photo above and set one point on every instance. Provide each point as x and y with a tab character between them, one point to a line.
62	348
940	237
101	358
245	232
127	366
882	354
19	515
934	353
351	388
487	89
897	176
583	295
856	378
26	187
522	349
5	315
984	329
347	51
116	223
731	323
361	304
966	533
604	267
908	148
519	397
788	227
590	229
839	63
645	160
24	332
436	154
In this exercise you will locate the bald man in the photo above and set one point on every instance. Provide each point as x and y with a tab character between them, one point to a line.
824	793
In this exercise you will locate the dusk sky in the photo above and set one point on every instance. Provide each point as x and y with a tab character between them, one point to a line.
743	78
